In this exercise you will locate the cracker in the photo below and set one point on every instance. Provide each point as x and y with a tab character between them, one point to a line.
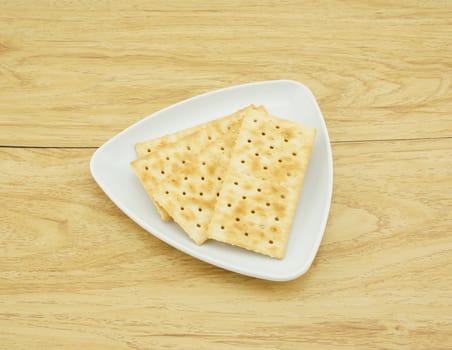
144	148
185	177
262	184
147	147
162	212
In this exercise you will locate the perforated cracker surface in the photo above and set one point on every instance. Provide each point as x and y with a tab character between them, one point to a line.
185	177
147	147
260	192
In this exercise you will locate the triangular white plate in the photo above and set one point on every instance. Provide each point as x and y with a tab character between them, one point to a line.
110	167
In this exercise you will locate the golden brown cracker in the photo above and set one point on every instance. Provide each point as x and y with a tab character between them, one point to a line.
262	183
147	147
185	177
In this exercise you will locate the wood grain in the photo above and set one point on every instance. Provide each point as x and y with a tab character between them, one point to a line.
74	73
77	273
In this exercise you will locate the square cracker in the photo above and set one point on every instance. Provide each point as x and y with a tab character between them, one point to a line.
262	184
147	147
185	177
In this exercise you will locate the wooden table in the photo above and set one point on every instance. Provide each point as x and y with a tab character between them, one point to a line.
75	273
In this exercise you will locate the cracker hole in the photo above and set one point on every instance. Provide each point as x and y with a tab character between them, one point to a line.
184	193
162	172
246	234
267	204
259	190
276	219
243	197
283	196
277	126
242	161
270	241
255	120
294	154
253	212
256	154
166	192
149	150
203	163
263	134
182	208
222	148
289	174
222	227
237	219
146	167
167	158
209	138
236	183
203	178
280	160
185	178
219	178
201	194
199	209
218	194
286	140
183	161
188	148
229	204
265	168
249	141
271	147
198	225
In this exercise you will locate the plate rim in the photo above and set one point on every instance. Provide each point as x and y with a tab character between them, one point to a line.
293	274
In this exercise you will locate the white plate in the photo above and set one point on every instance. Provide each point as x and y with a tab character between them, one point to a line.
286	99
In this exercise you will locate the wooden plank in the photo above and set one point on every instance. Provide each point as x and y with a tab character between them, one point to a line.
76	73
76	273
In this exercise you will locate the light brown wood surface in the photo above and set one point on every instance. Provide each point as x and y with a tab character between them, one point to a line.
76	273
